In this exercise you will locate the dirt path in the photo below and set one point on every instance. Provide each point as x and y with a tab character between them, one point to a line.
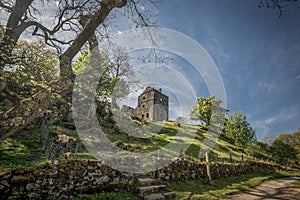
284	188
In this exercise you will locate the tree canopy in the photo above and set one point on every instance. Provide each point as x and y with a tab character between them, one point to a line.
204	108
282	152
113	83
239	130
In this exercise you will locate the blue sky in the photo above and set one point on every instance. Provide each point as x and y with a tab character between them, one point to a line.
257	53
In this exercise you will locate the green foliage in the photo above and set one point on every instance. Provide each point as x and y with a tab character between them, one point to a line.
112	83
108	196
32	66
258	150
282	152
291	139
33	61
239	130
285	148
205	108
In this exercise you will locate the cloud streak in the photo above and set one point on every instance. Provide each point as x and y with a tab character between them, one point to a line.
265	126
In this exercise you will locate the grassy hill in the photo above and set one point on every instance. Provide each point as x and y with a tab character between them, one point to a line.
25	148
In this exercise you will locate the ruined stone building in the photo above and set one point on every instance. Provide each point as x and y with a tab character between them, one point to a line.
152	105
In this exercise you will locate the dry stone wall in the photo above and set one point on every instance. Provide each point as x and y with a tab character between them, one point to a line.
64	179
183	169
61	180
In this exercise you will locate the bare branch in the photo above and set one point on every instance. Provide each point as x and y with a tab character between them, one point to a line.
280	5
134	6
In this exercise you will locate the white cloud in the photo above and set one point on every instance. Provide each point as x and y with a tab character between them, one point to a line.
265	122
266	86
264	126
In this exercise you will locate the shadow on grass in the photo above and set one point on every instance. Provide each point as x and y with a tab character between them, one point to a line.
202	189
21	150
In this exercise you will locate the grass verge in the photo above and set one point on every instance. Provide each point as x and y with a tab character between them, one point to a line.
200	189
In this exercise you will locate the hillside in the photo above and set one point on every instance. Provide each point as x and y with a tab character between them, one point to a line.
25	148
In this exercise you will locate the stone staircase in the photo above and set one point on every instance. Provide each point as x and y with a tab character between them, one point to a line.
150	189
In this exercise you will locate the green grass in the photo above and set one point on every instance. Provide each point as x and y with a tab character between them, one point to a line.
108	196
164	133
200	189
167	133
21	150
25	149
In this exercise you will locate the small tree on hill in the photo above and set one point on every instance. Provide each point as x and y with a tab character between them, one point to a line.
282	152
204	108
239	130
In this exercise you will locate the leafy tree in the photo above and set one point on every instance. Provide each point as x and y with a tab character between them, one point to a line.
291	139
288	138
112	84
296	137
32	65
204	108
282	152
239	130
32	62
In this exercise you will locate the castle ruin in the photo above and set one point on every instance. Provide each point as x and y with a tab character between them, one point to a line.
152	105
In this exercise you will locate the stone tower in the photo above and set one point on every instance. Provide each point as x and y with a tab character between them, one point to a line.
152	105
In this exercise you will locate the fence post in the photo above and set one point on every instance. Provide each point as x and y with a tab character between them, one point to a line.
207	166
242	157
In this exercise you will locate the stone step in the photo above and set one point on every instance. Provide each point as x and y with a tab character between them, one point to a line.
169	195
160	196
147	181
155	196
145	190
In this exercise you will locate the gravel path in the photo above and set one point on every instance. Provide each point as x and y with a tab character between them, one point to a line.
274	189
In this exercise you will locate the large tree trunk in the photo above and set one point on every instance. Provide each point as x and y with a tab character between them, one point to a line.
12	31
29	109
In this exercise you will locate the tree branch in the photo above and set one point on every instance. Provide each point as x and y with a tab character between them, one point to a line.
280	5
90	27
